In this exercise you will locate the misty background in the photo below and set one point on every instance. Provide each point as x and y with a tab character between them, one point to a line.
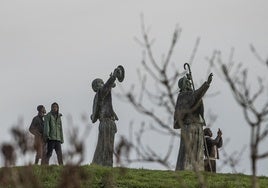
50	51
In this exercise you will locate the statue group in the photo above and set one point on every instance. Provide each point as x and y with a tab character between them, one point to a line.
188	116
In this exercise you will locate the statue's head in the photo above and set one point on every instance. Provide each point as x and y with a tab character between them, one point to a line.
185	84
97	84
207	132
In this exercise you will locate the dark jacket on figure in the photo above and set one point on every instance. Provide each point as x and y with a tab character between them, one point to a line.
37	126
102	105
209	149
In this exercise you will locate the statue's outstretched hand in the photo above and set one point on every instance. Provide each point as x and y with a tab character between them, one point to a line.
116	72
209	78
219	133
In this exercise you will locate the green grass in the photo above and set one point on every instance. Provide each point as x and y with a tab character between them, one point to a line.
96	176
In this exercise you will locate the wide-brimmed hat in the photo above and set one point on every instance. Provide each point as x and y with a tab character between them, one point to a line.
121	76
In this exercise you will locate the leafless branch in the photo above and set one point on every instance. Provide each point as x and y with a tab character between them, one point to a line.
254	113
258	56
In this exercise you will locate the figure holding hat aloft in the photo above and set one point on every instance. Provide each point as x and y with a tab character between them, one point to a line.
103	111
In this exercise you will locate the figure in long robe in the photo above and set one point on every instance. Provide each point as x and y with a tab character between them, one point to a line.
189	118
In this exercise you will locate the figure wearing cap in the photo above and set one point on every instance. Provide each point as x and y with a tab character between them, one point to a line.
189	118
103	111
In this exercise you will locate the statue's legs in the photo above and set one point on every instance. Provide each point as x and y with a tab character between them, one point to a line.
191	148
105	147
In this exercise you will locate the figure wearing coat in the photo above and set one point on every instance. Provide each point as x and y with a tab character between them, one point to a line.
103	111
188	117
211	149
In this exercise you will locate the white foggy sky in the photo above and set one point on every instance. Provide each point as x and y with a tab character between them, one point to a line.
52	50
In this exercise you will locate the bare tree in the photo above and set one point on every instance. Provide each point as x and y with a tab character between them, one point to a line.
252	100
156	100
164	76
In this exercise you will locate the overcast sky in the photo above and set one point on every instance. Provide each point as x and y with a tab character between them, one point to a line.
51	51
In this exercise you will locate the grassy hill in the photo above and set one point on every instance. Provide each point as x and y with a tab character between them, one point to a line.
95	176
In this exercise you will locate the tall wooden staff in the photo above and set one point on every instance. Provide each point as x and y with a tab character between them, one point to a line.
186	65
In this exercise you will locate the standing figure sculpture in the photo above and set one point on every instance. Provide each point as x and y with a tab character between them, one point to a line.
189	118
103	111
211	149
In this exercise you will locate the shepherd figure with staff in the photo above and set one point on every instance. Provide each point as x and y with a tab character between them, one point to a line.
189	117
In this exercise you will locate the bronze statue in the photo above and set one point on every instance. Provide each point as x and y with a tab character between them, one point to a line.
189	118
103	111
211	149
